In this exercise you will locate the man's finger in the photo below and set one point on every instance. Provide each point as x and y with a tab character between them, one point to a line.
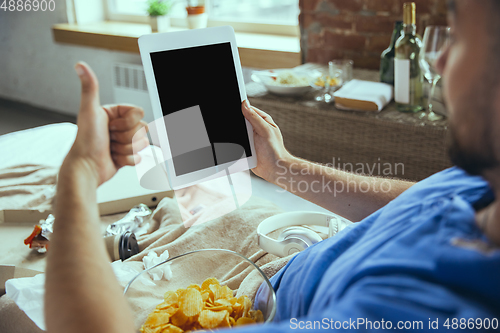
260	126
126	136
116	110
265	116
128	118
123	160
130	148
90	86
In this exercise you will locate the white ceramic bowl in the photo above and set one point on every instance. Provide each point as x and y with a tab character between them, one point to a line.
268	81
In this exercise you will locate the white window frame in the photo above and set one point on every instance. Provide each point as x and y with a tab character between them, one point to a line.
248	27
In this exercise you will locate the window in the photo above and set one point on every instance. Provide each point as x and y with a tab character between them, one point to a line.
261	16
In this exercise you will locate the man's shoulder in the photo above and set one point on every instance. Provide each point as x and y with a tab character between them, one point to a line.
453	175
450	182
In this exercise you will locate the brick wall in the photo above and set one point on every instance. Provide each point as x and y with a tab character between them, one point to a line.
357	29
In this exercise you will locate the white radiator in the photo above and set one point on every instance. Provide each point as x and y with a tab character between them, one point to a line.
129	86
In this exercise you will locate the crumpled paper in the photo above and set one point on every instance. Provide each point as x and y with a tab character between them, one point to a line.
162	271
47	226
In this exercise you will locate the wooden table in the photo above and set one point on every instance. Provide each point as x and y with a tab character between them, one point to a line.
386	143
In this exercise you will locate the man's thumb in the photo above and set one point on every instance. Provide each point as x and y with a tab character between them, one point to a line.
259	125
90	85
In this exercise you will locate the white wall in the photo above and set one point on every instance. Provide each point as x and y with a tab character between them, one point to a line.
36	70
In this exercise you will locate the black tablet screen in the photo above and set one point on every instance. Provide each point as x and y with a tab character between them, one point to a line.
201	80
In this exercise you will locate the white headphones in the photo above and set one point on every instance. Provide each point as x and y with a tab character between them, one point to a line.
296	238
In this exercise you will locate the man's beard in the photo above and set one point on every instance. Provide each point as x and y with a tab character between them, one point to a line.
476	153
475	162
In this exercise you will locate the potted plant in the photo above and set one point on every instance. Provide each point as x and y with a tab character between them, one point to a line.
197	16
158	14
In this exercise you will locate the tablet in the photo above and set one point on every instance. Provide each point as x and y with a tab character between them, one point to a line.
196	88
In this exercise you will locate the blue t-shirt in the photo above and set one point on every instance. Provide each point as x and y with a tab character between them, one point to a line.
420	263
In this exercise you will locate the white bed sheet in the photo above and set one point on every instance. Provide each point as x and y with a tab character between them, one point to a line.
44	145
48	145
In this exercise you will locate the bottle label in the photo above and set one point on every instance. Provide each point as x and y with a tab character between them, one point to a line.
402	81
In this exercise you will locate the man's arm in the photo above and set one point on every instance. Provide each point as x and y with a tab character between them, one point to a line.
82	293
350	195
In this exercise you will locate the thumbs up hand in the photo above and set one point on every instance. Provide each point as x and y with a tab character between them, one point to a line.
103	143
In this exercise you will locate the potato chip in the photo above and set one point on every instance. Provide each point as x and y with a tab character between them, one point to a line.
219	305
170	310
157	319
179	292
215	289
195	286
208	306
219	308
204	296
244	321
172	329
148	329
179	319
247	305
225	322
191	302
223	302
211	319
195	326
171	297
205	285
221	292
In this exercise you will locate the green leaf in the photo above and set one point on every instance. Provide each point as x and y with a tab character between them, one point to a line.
158	7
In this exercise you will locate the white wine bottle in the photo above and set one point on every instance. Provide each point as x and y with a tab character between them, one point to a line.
408	77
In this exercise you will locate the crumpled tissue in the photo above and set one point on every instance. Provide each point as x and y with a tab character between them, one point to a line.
163	271
28	294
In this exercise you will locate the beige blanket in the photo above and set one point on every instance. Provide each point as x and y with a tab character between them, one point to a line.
32	186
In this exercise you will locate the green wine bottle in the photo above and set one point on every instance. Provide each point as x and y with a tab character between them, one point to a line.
387	57
408	77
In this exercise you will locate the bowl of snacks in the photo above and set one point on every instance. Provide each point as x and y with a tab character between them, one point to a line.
208	289
285	81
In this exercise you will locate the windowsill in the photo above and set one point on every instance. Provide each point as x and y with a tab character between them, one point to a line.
256	50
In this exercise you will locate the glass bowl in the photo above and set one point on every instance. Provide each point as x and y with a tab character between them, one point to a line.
231	269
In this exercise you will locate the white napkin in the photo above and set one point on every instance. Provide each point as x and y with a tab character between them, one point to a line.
376	92
28	294
159	272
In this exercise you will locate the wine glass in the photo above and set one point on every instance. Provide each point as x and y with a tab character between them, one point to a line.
436	39
332	79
